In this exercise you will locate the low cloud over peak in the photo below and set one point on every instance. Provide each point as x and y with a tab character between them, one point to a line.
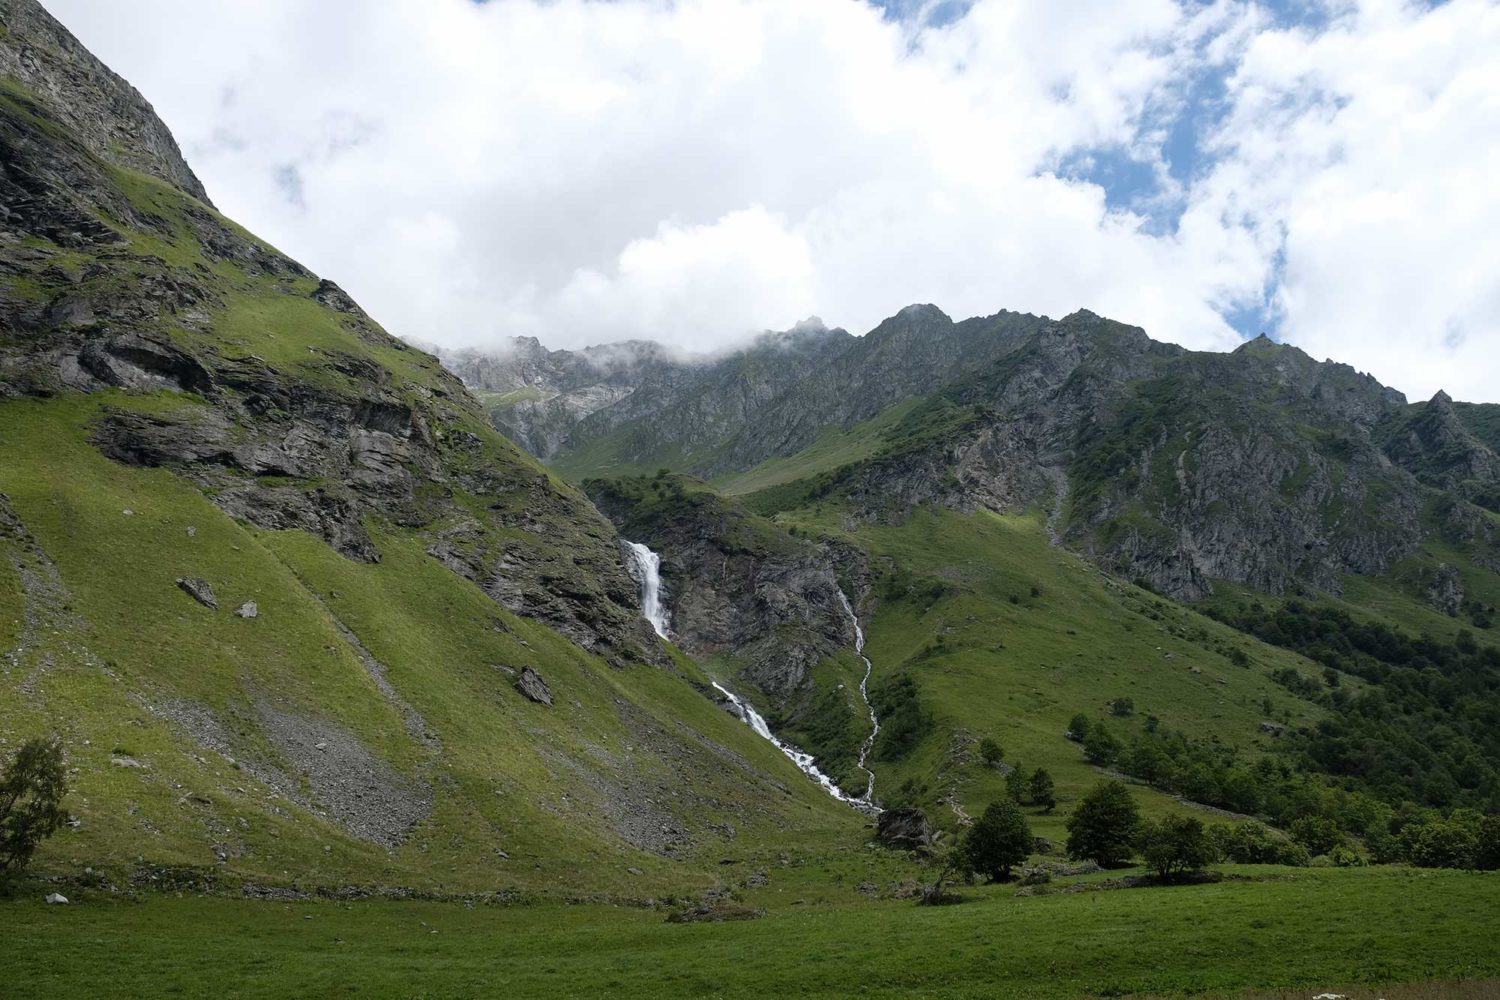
697	171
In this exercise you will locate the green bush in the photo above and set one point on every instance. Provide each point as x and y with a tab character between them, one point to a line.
1174	845
31	794
998	841
1100	746
1103	827
1254	844
1318	834
1078	729
1042	790
990	751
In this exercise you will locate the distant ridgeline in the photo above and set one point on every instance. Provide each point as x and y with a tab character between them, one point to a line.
1299	503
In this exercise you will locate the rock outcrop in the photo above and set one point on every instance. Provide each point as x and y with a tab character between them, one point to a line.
737	585
905	830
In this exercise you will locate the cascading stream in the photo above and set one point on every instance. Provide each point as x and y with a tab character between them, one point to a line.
864	692
645	566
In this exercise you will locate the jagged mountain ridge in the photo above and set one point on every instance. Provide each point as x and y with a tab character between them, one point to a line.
1261	467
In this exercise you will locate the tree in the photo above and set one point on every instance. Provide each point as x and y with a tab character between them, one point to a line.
1078	729
990	751
1100	746
1318	834
1174	845
949	865
1042	789
1102	828
1254	844
1015	783
31	794
998	840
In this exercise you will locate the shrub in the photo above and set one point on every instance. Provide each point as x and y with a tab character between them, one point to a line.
990	751
1254	844
1015	784
1449	843
1100	746
1121	706
1103	827
998	841
1318	834
1042	789
31	794
1174	845
1078	729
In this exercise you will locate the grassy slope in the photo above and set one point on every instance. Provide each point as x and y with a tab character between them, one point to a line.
835	447
1019	671
1312	929
437	635
511	777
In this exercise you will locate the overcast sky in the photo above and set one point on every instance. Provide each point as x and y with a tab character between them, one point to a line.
693	171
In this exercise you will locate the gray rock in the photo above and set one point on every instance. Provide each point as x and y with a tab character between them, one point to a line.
128	762
200	590
57	898
532	686
247	610
1272	728
1446	592
904	829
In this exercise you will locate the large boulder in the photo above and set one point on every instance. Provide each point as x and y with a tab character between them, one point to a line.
531	685
904	829
200	591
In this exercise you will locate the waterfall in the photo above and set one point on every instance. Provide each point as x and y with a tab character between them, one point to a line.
864	692
804	761
645	566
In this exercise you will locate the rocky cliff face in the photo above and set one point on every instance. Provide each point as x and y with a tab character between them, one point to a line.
300	411
641	399
1261	467
112	120
736	585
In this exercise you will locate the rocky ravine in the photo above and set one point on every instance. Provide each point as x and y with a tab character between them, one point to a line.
737	585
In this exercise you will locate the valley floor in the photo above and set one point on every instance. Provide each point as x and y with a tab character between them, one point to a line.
1276	932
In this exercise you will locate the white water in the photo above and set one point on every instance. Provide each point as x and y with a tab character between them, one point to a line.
868	799
645	566
803	760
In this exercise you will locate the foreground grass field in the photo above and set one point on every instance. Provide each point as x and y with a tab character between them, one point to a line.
1291	930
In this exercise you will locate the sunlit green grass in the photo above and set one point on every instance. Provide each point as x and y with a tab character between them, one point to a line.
1298	928
1019	670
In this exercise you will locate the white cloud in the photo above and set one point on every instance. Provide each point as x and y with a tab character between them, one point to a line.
695	170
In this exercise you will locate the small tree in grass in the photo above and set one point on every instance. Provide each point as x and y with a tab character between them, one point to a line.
1041	788
1015	784
31	794
1174	845
1319	834
998	841
1101	747
949	865
1102	829
990	751
1078	729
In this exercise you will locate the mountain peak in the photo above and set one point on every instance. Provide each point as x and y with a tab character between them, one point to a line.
923	310
101	110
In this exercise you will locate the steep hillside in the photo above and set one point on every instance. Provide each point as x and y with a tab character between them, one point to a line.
1334	544
296	609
